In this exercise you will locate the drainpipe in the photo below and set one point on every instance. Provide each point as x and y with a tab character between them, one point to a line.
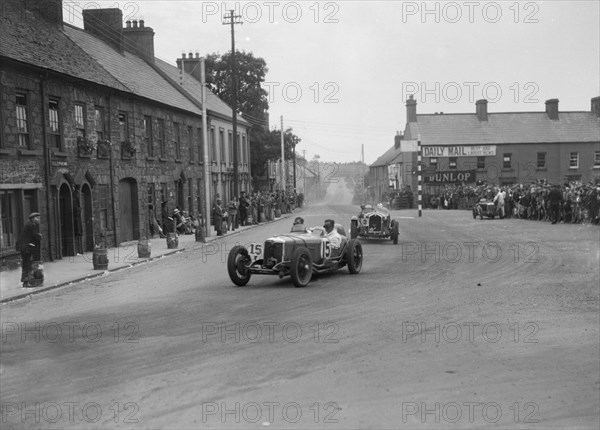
111	173
47	164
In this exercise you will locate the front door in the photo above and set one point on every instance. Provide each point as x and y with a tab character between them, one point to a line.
128	210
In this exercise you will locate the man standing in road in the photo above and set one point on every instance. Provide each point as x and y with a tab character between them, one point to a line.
30	246
500	199
555	197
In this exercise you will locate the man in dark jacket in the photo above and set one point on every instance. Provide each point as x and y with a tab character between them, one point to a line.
555	197
218	217
30	246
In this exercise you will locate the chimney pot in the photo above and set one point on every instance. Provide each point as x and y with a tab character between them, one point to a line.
552	109
183	55
141	23
128	23
191	55
135	23
197	55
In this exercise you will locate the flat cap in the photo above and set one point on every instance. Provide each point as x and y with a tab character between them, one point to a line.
34	214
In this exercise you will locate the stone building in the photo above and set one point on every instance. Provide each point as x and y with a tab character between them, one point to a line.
501	148
94	129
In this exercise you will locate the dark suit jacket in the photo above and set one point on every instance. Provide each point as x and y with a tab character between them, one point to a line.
30	238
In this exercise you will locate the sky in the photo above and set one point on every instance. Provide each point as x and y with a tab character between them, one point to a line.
340	71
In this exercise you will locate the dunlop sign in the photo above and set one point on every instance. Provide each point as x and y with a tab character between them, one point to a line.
459	151
450	177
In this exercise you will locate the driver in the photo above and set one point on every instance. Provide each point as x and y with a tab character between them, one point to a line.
332	234
298	226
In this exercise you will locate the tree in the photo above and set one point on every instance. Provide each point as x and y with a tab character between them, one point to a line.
252	99
270	149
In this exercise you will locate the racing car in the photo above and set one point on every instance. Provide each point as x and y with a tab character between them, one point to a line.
485	208
298	255
374	222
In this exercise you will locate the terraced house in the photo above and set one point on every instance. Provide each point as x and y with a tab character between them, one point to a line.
94	128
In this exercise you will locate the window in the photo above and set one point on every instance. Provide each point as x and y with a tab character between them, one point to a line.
200	145
123	127
597	160
152	195
54	124
452	162
506	161
574	160
433	162
22	120
80	120
541	160
99	120
222	144
163	192
230	144
481	162
244	149
160	136
177	140
238	147
213	146
148	135
103	205
190	135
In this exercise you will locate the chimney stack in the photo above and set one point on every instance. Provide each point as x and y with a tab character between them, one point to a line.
139	39
596	106
481	109
105	24
190	65
552	109
50	11
411	109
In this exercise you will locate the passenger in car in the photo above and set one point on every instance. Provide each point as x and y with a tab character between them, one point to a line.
298	226
331	232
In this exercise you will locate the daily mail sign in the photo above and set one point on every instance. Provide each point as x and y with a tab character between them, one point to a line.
459	151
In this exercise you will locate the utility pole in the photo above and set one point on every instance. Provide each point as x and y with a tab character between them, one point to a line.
206	166
282	158
304	171
232	20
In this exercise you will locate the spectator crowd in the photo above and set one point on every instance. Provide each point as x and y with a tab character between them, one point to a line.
575	202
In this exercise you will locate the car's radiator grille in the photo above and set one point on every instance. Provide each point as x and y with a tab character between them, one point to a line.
375	223
272	254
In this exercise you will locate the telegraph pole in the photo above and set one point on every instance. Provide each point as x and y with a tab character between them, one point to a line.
283	178
232	19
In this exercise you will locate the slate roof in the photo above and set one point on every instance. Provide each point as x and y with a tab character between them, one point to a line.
504	128
388	157
74	52
131	71
34	41
194	87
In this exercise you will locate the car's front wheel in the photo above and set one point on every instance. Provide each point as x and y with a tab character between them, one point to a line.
301	270
353	229
237	265
354	256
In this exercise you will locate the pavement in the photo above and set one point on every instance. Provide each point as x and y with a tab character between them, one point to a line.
70	270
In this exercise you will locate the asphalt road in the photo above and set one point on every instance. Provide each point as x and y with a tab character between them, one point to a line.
463	324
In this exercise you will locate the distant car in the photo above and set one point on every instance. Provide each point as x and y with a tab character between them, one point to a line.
298	255
485	208
374	223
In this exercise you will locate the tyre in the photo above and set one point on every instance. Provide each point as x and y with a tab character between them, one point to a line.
354	256
353	229
395	232
301	270
237	268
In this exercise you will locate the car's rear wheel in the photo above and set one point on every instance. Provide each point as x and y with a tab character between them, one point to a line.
395	232
353	229
237	265
301	270
354	256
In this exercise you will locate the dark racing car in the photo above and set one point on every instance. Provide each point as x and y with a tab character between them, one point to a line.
374	223
298	254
